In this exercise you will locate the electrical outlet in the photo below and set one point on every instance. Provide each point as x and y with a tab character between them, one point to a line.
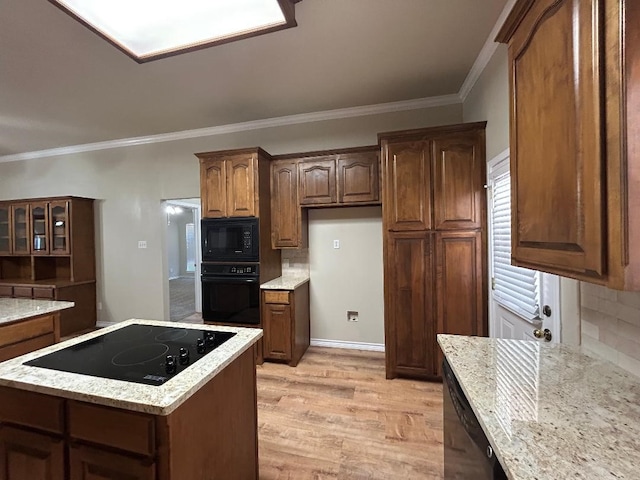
352	316
336	244
99	305
142	244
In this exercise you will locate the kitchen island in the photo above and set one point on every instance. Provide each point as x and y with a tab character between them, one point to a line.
549	411
27	325
201	424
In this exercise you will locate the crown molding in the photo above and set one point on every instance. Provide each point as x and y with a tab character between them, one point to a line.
488	49
336	114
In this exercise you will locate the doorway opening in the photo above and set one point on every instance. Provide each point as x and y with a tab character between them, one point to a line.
183	259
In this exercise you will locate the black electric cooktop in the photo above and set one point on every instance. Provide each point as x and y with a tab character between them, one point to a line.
136	353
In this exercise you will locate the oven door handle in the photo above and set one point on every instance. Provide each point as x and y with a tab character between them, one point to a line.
221	279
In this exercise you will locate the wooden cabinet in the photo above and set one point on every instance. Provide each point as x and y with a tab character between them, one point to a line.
434	222
574	138
27	335
317	181
331	178
286	215
409	305
229	183
285	321
358	178
43	437
27	455
51	255
407	203
5	228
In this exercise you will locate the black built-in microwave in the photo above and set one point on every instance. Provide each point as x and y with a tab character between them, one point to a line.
230	240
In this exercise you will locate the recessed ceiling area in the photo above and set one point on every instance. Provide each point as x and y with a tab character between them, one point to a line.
152	29
63	85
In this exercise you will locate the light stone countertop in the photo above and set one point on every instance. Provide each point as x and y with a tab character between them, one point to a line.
154	399
286	282
550	411
14	309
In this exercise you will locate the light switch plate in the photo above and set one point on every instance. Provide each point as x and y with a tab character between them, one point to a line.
336	244
142	244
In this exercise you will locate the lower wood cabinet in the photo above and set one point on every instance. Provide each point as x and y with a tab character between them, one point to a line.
435	283
26	455
86	463
285	322
28	335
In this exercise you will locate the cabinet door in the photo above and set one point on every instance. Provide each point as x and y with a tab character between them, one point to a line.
460	285
21	241
358	178
241	195
285	211
26	455
59	227
40	228
277	331
407	186
557	155
87	463
317	181
213	185
458	182
5	229
410	305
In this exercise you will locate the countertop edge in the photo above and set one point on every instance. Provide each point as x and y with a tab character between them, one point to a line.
285	282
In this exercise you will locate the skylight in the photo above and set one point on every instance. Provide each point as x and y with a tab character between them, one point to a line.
150	29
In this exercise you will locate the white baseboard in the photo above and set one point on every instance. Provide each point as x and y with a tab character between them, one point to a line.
374	347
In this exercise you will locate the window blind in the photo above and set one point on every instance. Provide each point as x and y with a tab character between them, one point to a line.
516	288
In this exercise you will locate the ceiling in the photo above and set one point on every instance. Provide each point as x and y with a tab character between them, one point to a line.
62	85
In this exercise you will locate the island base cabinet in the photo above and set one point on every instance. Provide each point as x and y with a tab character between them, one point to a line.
30	456
86	463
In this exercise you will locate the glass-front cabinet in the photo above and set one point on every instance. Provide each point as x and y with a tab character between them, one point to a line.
5	229
21	236
59	212
39	228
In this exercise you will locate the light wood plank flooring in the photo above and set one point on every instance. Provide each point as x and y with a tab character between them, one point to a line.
335	416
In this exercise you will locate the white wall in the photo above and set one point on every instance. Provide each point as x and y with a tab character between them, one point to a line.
347	278
130	184
489	101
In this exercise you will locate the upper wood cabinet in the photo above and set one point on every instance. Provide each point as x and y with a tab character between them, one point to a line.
5	228
434	179
334	178
317	181
286	215
228	183
458	192
358	178
340	178
575	138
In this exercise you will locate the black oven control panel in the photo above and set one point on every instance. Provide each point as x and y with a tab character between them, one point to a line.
230	269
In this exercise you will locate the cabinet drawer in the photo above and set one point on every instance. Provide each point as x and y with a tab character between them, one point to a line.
31	410
43	292
31	345
6	291
20	331
23	292
276	296
130	431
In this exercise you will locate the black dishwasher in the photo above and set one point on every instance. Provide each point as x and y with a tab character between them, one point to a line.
467	452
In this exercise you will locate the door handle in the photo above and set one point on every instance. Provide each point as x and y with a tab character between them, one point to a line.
546	334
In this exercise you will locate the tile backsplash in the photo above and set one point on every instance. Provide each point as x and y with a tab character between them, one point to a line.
295	262
611	325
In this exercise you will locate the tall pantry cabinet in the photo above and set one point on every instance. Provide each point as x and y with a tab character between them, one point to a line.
434	225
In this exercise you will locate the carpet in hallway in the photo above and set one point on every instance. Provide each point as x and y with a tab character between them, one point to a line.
182	299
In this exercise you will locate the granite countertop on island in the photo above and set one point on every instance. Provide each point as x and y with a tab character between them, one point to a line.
152	399
286	282
15	309
550	411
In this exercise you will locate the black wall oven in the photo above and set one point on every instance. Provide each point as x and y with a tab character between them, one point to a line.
231	293
230	240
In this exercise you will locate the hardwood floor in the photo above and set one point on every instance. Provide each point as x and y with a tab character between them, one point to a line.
335	416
